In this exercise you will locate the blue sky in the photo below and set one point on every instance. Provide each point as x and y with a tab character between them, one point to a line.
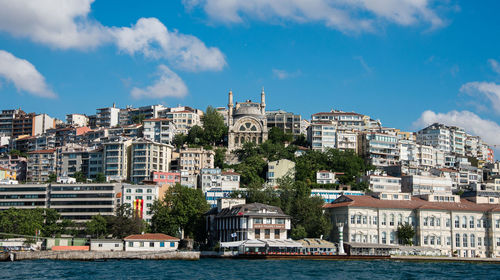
407	63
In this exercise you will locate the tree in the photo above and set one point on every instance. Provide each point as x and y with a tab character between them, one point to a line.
137	119
52	178
124	223
179	140
100	178
406	232
97	226
195	135
181	210
18	153
298	232
80	177
277	135
21	221
300	140
219	158
214	128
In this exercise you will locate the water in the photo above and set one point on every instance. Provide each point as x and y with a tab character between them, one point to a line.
245	269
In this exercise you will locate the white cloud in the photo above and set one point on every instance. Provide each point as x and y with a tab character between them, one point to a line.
345	15
57	23
484	89
169	84
23	75
66	24
495	66
152	39
283	74
488	130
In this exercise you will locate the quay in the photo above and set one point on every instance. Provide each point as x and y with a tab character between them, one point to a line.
96	255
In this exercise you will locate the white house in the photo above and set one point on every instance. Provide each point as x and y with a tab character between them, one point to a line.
151	242
106	245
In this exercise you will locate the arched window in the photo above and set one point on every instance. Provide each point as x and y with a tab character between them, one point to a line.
393	237
384	219
400	219
457	240
438	222
471	222
457	222
473	240
243	128
432	222
464	222
391	223
384	237
464	240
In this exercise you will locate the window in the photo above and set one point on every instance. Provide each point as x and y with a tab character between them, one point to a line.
267	233
100	244
448	240
257	220
280	221
497	223
269	221
438	222
384	237
498	241
257	233
433	238
162	244
384	220
393	237
400	219
447	222
364	220
479	243
353	219
117	245
464	240
151	244
141	244
457	222
392	220
478	223
375	220
438	240
276	234
457	240
131	244
358	219
473	240
172	244
464	222
426	221
471	222
432	221
426	240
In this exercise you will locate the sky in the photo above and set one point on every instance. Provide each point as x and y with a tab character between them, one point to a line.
408	63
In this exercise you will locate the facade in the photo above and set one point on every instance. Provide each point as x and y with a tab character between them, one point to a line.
148	157
116	159
151	242
16	163
41	164
183	117
95	163
193	160
107	117
280	169
246	221
322	135
287	121
7	120
329	196
72	158
217	184
166	178
77	120
420	184
325	177
457	228
448	139
247	122
379	149
140	198
381	183
23	196
108	245
159	130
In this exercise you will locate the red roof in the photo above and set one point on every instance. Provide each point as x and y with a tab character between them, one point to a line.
43	151
150	236
230	173
448	170
414	203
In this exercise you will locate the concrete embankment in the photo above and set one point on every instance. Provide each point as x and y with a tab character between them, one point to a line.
92	256
445	259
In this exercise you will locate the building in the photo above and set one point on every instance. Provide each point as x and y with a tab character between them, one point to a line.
247	122
183	117
108	245
329	196
286	121
16	163
151	242
216	184
209	178
24	196
230	222
324	177
107	117
383	183
160	130
455	227
7	120
148	157
41	164
280	169
193	160
140	199
346	120
116	159
79	202
32	124
322	135
379	149
166	178
420	184
448	139
72	158
95	163
77	120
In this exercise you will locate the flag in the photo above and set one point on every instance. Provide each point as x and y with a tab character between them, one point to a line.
233	234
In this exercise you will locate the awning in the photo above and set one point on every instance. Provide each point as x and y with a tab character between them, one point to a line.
283	243
246	243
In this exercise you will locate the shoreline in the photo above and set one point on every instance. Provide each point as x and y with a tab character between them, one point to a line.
98	256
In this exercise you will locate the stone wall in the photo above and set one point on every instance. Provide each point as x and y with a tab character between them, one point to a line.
91	255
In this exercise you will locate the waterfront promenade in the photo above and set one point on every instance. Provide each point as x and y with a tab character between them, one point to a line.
93	255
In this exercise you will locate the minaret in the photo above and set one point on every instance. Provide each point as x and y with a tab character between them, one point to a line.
230	109
263	101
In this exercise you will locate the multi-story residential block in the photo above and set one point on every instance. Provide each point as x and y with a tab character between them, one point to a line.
140	198
166	178
41	164
31	124
148	157
322	135
378	149
79	202
217	184
347	120
116	159
107	117
455	227
325	177
287	121
280	169
383	183
183	117
77	120
72	158
23	196
193	160
209	178
417	155
95	165
448	139
421	184
247	221
67	135
15	163
160	130
7	120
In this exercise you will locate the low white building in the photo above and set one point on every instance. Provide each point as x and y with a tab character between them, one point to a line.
325	177
151	242
106	245
420	184
383	183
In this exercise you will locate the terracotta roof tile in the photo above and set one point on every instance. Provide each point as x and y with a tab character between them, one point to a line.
150	236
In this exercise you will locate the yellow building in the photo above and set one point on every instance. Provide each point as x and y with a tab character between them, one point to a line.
7	174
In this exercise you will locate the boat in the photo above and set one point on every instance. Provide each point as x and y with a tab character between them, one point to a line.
4	256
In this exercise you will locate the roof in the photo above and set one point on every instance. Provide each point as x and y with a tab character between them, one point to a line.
252	209
151	236
43	151
414	203
229	173
157	120
337	113
448	170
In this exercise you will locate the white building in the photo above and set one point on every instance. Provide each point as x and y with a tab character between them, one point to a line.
148	157
108	245
421	184
159	130
107	117
116	159
325	177
183	117
151	242
280	169
383	183
77	120
140	198
329	196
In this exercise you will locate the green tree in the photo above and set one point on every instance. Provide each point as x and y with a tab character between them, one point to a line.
179	140
277	135
21	221
18	153
298	232
52	178
300	140
124	223
406	232
80	177
100	178
195	135
138	119
181	209
97	226
219	158
214	128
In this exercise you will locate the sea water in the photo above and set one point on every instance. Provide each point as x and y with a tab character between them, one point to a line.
246	269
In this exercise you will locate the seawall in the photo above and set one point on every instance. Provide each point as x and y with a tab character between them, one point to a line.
93	255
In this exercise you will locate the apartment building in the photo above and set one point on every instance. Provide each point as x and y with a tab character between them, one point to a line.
193	160
148	157
166	178
280	169
160	130
378	149
325	177
79	202
77	120
183	117
448	139
383	183
41	164
287	121
116	159
456	227
95	163
23	196
347	120
107	117
7	120
31	124
72	158
140	199
421	184
15	163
